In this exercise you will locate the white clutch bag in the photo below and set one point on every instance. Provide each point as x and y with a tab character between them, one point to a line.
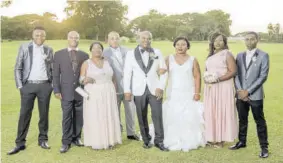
82	92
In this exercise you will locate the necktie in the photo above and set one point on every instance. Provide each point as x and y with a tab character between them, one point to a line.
74	60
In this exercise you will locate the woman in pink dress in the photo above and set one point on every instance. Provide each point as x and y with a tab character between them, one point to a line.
101	117
219	94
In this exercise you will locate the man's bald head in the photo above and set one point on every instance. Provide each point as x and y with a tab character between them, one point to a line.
73	39
145	38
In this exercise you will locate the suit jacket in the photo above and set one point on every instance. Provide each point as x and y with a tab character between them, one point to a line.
252	77
65	80
24	63
141	75
117	66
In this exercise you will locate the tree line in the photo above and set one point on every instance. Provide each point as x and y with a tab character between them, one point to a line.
95	19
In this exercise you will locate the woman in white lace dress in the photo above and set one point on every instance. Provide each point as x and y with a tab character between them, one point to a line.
182	112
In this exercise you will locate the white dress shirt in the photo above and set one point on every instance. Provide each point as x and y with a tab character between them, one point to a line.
38	68
144	56
250	54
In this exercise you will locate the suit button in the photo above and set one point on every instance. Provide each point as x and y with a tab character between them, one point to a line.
74	83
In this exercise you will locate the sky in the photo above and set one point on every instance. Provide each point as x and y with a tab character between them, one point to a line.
245	14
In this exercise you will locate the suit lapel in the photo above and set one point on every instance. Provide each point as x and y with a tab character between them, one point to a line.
244	60
123	52
150	62
139	59
30	52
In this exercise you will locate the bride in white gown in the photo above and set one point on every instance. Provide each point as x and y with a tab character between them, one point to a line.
182	112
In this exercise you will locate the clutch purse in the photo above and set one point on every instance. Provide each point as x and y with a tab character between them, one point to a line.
82	92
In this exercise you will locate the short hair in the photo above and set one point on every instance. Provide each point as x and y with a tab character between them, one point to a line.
145	32
96	43
113	33
38	28
182	38
73	32
253	33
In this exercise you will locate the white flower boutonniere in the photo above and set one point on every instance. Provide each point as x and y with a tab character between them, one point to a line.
153	56
254	58
44	56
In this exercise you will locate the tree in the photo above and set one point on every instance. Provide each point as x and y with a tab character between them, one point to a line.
6	3
277	31
270	31
100	17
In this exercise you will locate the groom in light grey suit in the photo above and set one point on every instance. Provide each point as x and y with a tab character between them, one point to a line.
252	72
116	55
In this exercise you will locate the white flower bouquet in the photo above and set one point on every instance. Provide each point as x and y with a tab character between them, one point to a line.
210	77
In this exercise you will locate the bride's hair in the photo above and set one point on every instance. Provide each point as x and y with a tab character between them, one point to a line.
182	38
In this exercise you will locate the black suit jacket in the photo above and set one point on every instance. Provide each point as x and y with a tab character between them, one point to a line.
65	80
24	63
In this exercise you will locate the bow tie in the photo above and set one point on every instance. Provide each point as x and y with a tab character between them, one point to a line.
143	50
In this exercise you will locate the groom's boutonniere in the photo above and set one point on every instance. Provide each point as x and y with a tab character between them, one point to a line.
152	55
44	56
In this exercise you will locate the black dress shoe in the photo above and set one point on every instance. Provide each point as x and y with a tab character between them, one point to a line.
16	150
44	145
133	137
64	148
161	147
147	145
263	153
78	143
238	146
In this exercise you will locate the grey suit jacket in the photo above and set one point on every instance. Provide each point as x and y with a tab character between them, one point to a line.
65	79
117	67
252	77
24	63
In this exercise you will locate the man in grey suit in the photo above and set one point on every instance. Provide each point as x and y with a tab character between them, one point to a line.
33	76
116	55
67	65
252	72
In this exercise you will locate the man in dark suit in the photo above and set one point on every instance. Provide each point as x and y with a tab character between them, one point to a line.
33	76
67	65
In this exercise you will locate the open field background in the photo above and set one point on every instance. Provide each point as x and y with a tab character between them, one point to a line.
132	151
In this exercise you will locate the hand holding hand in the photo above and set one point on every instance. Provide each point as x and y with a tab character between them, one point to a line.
161	71
243	94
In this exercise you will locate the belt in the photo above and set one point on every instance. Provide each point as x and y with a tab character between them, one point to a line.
37	81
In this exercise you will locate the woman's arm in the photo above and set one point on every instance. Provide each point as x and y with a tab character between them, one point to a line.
115	83
232	68
83	73
197	79
162	71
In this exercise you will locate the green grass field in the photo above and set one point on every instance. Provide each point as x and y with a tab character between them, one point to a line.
132	151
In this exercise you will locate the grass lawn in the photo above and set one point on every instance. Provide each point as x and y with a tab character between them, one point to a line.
132	151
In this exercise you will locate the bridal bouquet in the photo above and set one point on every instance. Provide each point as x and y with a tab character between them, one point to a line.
210	77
